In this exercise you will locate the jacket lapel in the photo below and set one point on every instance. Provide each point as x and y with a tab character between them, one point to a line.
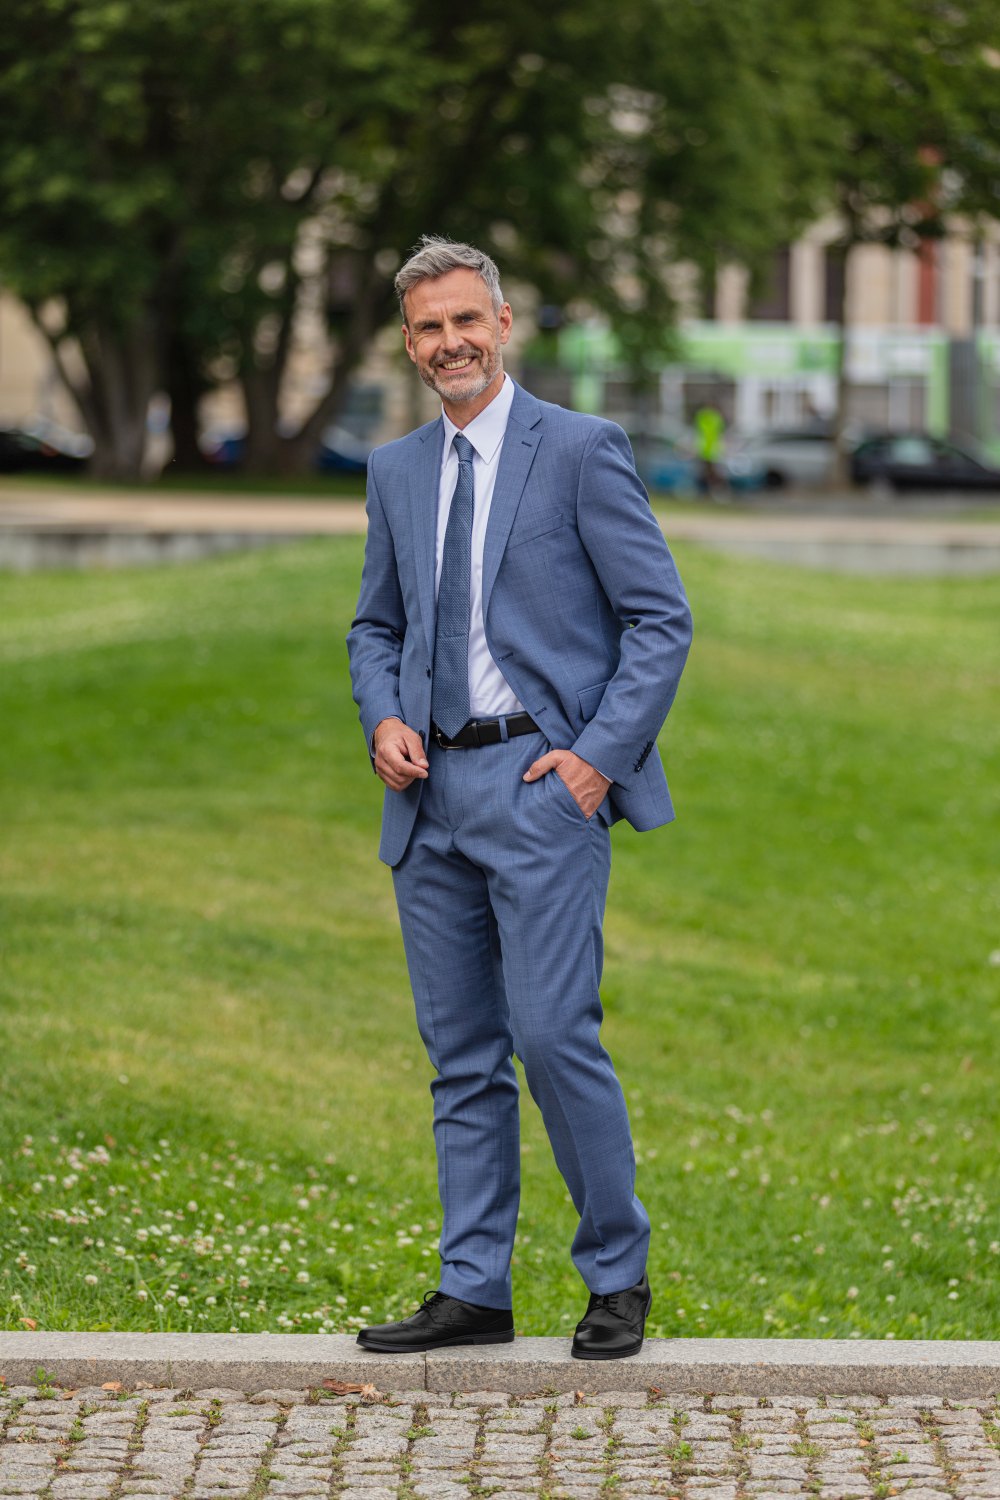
425	479
516	457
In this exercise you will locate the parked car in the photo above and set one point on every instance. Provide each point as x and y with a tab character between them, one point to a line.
916	461
343	453
339	451
665	464
43	450
801	457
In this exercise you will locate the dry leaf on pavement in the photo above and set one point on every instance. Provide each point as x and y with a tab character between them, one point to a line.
349	1388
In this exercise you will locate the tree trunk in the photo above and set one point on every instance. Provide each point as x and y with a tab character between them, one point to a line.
268	452
127	365
264	453
841	472
185	387
121	377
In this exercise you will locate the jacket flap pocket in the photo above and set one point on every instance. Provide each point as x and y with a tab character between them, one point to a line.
535	525
590	699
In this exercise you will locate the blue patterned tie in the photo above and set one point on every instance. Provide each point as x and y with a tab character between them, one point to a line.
450	694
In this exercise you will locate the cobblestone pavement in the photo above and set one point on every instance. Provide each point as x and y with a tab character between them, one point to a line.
103	1444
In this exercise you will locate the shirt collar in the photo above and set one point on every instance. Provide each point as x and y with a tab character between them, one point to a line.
486	431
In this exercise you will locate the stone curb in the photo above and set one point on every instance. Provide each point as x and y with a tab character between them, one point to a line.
757	1367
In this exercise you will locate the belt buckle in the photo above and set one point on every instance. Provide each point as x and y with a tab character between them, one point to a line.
439	739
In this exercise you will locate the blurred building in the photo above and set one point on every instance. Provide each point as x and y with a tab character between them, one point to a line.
923	346
923	352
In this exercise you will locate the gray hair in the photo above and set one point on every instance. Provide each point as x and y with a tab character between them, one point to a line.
436	256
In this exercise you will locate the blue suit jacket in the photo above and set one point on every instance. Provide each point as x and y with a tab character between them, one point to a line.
584	611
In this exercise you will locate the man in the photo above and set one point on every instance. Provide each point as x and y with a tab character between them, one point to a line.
519	638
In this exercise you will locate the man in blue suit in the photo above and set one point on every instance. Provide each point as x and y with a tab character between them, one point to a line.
519	639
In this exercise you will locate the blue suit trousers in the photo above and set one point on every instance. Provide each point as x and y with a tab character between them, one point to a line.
501	897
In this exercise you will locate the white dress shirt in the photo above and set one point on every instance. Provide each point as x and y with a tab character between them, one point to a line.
489	692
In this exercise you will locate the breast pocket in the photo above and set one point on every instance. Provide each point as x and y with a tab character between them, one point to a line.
538	523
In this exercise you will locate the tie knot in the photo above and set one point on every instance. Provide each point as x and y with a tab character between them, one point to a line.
463	448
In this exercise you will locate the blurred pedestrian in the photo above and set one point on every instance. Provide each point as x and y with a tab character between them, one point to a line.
709	427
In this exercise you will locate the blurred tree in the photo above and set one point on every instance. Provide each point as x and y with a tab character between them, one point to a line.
914	105
184	182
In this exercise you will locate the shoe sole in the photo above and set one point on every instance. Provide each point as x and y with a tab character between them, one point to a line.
506	1337
620	1353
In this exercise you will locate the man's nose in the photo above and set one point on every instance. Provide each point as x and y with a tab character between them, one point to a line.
452	338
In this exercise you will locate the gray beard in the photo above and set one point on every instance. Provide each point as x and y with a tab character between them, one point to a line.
466	392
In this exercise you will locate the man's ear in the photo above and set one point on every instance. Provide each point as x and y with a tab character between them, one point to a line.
506	320
409	343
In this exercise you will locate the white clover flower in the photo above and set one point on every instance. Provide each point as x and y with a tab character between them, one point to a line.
142	1294
302	1276
90	1279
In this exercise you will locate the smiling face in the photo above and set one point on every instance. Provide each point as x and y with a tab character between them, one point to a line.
455	338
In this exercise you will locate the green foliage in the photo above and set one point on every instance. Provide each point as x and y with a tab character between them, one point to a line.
915	104
178	178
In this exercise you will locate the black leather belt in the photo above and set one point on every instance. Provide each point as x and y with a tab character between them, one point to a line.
484	732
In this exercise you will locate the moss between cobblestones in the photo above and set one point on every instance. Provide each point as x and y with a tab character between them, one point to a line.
951	1435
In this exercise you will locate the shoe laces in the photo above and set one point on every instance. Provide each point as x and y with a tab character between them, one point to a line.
611	1302
432	1300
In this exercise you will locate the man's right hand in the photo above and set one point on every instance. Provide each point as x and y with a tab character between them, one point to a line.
399	754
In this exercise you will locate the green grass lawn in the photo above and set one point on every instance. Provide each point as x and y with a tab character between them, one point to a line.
214	1104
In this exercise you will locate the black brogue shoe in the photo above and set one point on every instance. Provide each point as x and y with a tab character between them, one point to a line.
614	1324
438	1322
